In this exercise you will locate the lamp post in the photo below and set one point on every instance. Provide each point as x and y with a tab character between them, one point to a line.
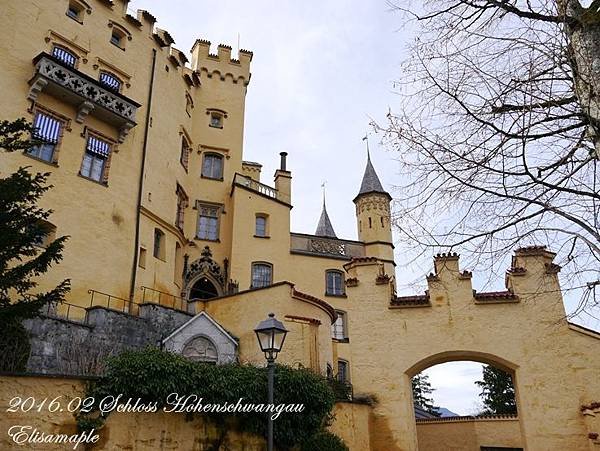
271	335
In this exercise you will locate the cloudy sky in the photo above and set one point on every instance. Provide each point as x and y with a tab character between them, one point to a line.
322	70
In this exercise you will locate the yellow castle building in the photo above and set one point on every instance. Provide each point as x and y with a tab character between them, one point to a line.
176	239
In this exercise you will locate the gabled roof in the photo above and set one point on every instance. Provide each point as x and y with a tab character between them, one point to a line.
211	321
370	182
324	228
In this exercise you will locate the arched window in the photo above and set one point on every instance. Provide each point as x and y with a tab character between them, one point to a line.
159	244
212	166
201	349
334	283
262	274
64	55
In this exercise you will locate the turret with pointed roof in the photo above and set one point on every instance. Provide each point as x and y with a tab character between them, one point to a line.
373	216
370	182
324	228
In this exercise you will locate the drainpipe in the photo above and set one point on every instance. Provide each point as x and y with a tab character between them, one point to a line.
141	181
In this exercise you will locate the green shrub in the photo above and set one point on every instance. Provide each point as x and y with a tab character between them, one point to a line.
151	375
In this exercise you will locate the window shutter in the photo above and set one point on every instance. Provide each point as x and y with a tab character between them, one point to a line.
65	56
46	128
98	147
110	81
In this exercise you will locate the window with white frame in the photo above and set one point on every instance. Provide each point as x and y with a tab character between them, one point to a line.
339	328
46	132
334	283
262	274
159	244
208	222
212	166
95	159
64	55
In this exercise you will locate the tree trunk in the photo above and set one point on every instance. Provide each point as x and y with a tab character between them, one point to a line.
583	34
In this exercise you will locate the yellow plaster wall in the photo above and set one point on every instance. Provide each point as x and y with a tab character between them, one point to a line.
131	431
240	314
468	435
553	365
352	424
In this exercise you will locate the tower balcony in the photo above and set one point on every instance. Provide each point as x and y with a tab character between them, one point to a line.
54	77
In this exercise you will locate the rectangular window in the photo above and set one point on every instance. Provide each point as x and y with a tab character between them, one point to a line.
65	56
159	244
110	81
338	329
184	157
261	226
95	159
343	374
262	275
182	203
212	166
208	223
335	283
47	130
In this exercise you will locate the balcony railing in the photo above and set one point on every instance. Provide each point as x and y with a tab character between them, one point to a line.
87	94
100	299
252	184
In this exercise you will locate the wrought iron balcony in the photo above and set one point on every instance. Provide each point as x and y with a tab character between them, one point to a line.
90	96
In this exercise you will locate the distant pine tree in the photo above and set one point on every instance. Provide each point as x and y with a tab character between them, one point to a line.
422	390
498	392
22	259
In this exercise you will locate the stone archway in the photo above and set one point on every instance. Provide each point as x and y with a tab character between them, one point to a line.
467	432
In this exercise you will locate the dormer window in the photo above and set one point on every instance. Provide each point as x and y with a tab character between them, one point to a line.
64	55
216	120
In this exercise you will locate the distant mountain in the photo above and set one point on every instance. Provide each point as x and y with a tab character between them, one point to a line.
446	413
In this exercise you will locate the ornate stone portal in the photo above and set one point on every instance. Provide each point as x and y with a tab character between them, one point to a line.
204	269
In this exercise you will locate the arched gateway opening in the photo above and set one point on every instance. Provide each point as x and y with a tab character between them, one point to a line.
203	288
491	424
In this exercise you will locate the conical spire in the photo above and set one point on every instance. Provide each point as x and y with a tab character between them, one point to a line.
324	228
370	182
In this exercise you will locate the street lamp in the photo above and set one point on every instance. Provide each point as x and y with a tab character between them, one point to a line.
271	335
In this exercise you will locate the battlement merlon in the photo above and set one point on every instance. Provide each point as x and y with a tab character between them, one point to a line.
221	64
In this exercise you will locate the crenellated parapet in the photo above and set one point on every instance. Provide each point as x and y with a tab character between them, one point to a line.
532	272
221	66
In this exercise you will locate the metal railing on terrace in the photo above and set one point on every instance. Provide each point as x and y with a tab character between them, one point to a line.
64	310
100	299
153	296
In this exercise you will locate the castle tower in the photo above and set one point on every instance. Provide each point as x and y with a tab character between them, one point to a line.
373	216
